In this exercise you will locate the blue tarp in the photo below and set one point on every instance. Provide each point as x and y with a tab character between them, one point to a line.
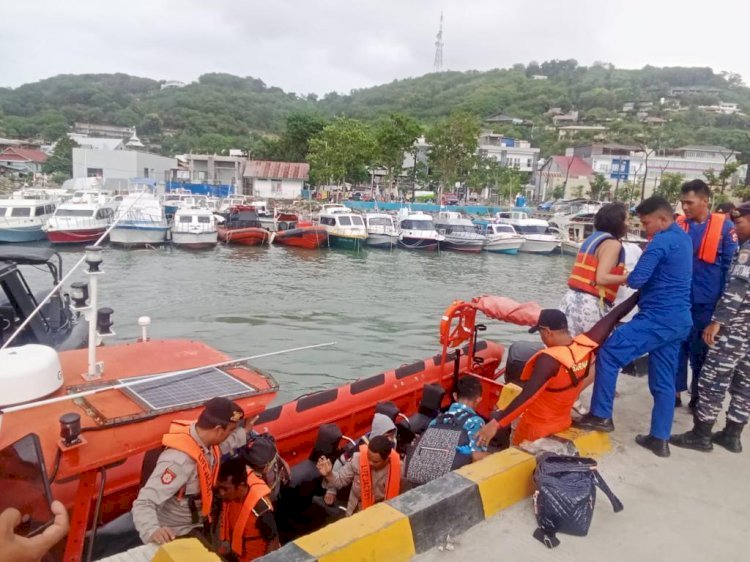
211	190
432	208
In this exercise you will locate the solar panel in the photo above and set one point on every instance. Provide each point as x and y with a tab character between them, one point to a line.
190	389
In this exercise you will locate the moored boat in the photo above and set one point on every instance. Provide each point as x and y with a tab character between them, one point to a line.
417	231
459	233
242	226
288	230
345	229
381	231
80	220
536	233
23	216
194	228
140	220
501	238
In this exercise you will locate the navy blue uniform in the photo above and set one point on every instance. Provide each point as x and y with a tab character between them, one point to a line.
709	281
663	276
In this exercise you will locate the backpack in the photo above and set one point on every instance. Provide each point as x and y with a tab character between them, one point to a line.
435	452
565	496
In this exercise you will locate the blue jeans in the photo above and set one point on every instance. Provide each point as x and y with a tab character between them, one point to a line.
628	342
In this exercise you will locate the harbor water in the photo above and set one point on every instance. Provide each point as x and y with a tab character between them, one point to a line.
382	308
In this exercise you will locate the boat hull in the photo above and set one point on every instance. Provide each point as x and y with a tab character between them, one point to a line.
308	237
469	247
138	235
381	241
195	240
545	247
503	246
570	248
22	234
345	242
413	243
244	236
75	236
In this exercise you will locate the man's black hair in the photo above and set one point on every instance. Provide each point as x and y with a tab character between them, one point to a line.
381	445
205	421
468	387
234	470
699	187
654	204
726	207
611	219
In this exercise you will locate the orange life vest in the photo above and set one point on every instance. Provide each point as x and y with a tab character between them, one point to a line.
709	248
392	488
238	526
549	411
179	438
583	276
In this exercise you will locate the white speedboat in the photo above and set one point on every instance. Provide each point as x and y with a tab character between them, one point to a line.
23	216
501	238
140	221
573	230
194	228
416	231
536	233
381	230
345	229
82	219
459	233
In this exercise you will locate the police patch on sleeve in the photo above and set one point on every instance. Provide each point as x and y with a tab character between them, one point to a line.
733	235
168	477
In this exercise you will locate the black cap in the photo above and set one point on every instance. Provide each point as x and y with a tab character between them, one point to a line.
552	319
222	411
741	210
259	452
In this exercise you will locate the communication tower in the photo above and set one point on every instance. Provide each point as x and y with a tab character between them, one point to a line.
439	47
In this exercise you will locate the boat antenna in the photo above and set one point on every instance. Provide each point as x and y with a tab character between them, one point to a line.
62	281
154	378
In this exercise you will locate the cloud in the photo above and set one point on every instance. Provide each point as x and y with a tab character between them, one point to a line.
336	45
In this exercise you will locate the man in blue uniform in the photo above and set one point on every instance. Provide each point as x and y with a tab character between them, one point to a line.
663	321
714	244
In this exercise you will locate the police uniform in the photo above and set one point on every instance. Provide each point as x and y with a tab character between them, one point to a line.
663	276
172	493
708	282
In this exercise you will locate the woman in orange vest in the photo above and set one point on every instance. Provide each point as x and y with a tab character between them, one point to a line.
554	377
598	271
374	473
247	527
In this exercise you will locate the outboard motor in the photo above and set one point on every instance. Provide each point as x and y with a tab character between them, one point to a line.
519	354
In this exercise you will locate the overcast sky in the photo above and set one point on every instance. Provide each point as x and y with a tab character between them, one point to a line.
325	45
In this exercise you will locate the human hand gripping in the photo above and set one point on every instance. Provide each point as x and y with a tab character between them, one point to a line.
485	435
14	548
162	535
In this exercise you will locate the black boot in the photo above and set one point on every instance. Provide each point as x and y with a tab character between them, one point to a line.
660	447
698	438
595	423
729	437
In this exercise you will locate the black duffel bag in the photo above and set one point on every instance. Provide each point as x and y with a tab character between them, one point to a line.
565	496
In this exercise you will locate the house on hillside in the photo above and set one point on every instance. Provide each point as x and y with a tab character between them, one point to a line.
510	152
572	130
565	119
571	172
502	119
275	180
22	160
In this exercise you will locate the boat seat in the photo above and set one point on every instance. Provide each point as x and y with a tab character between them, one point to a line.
519	354
388	408
429	408
150	459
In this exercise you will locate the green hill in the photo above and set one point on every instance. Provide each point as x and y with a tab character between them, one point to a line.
221	111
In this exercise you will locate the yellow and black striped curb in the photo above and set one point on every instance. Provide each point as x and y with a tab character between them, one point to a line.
421	518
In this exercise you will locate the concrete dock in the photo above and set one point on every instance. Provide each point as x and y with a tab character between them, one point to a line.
690	507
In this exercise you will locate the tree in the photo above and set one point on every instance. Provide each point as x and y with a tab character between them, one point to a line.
721	179
293	145
61	160
341	151
394	136
669	186
599	187
453	142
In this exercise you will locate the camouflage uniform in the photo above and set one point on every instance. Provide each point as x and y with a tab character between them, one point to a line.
728	363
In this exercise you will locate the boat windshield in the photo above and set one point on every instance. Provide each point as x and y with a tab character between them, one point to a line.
345	221
453	229
532	229
503	229
357	221
410	224
379	221
74	213
204	218
187	218
20	212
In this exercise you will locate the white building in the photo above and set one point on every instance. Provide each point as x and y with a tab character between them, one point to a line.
115	167
275	180
213	169
97	143
510	152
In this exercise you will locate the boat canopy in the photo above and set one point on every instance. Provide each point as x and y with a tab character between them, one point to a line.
26	256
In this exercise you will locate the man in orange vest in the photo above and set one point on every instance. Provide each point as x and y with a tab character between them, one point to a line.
714	244
554	377
176	500
247	528
374	473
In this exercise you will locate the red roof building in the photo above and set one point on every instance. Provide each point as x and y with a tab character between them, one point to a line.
275	180
23	160
571	172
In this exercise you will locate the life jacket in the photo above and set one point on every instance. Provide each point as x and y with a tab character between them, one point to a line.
436	453
709	247
392	488
583	276
238	527
549	411
179	438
